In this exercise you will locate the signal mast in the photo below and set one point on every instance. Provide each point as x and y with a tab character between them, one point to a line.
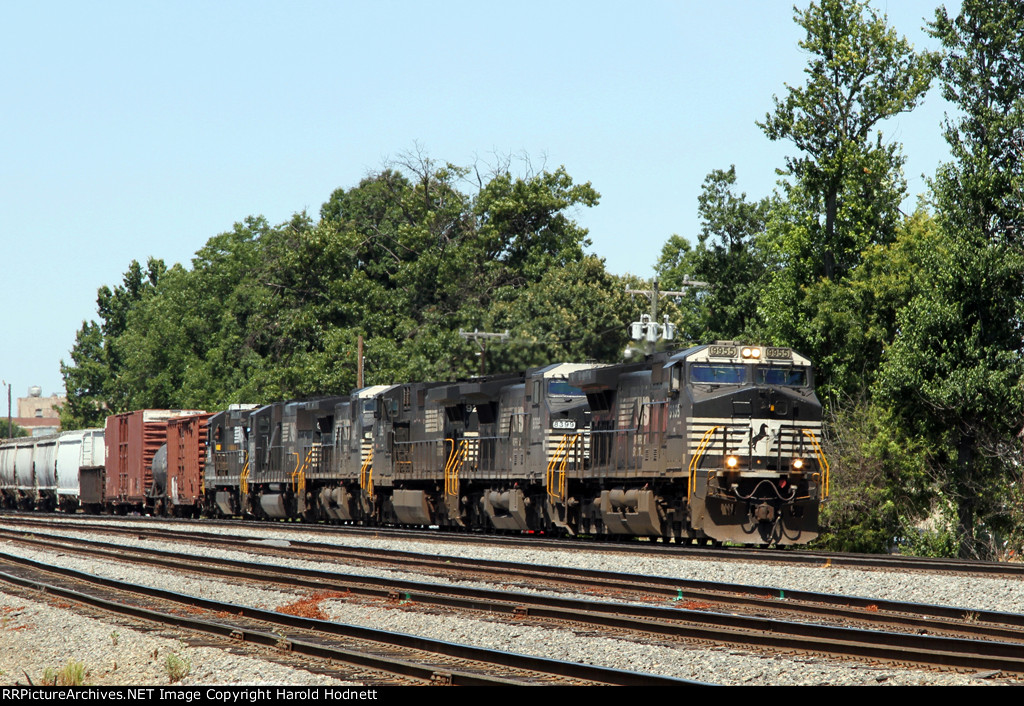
647	329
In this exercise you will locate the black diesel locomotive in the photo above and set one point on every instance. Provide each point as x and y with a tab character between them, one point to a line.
714	443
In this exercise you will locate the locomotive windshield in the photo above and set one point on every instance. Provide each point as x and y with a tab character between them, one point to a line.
791	377
562	388
718	374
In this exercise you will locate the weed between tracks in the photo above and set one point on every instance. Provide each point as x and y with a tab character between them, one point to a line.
71	674
177	668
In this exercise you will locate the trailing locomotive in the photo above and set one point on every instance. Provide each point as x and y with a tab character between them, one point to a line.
715	443
719	442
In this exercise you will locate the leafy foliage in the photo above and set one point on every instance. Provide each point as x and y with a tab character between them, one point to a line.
727	258
846	186
953	373
6	433
404	259
879	479
860	73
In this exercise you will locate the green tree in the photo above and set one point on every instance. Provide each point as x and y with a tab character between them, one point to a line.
860	73
94	381
727	258
576	312
524	226
982	190
879	479
405	259
882	469
85	380
5	430
953	373
846	184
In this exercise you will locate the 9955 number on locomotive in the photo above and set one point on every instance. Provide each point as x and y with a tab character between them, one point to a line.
719	442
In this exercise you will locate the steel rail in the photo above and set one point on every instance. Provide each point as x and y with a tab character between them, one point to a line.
543	670
791	556
908	615
930	650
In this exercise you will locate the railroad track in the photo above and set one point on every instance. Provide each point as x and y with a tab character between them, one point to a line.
801	605
976	640
377	657
792	556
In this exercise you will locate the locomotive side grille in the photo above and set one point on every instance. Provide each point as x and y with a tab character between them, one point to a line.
553	439
432	421
472	439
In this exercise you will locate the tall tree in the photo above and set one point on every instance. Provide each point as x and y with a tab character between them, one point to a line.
954	372
405	259
845	184
94	380
860	73
982	190
85	380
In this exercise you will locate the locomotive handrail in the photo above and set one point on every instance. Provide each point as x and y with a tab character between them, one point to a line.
559	460
295	470
822	461
550	480
299	474
366	475
571	448
243	479
448	458
691	486
454	464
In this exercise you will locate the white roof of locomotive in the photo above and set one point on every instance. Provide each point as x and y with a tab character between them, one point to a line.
372	391
562	370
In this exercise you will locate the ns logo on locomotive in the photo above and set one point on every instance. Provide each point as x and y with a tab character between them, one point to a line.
715	443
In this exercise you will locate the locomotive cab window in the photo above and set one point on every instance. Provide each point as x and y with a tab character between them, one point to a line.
790	377
674	371
562	388
718	374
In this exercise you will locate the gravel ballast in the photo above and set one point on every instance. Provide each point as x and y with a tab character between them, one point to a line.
36	634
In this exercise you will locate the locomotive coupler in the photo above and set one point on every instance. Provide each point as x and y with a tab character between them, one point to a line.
763	512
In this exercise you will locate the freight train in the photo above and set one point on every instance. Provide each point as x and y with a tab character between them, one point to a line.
715	443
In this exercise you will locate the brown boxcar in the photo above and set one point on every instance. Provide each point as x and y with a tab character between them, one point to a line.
132	439
186	458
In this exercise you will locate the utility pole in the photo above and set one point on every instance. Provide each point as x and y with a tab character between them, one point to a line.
359	362
648	329
10	422
481	339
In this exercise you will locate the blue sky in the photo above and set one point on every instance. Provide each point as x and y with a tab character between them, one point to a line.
138	129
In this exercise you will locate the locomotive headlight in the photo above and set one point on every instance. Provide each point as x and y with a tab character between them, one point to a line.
750	352
731	462
798	464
